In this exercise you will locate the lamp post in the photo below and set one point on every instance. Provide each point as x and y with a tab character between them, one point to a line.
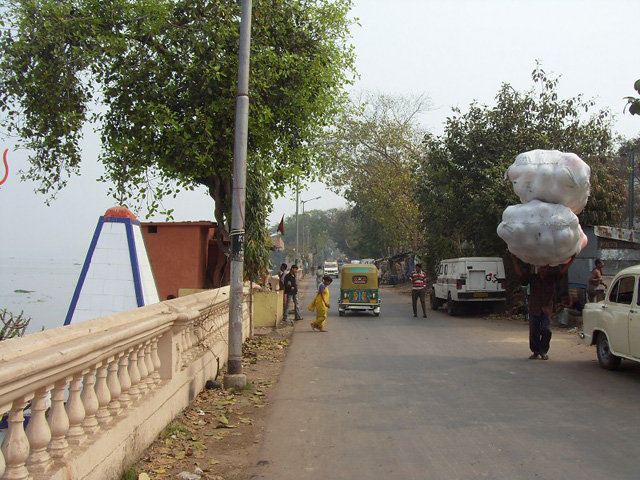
302	250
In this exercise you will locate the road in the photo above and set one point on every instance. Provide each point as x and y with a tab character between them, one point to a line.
397	397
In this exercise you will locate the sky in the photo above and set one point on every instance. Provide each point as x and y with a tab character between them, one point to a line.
455	51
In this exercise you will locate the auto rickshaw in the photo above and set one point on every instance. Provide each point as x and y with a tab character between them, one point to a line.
359	289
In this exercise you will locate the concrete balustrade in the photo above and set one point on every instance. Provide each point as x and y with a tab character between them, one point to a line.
97	393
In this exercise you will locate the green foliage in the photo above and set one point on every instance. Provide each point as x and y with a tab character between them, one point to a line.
633	103
157	79
462	191
371	162
12	326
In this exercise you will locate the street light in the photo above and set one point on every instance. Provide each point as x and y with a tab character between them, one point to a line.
302	250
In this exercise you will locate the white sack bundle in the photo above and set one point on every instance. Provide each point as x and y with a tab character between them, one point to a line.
542	233
551	176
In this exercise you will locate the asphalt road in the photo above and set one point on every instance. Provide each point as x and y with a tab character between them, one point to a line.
397	397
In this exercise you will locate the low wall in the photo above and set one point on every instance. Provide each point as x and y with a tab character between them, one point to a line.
99	392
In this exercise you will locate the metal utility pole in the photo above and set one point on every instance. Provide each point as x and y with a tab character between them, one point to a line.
297	230
234	377
304	272
632	182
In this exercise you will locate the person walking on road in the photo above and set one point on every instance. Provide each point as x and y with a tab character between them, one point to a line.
319	276
418	290
595	280
291	291
321	304
542	303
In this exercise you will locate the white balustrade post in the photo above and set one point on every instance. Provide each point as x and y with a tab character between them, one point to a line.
115	390
125	381
15	446
134	375
142	368
58	421
149	364
90	402
155	358
39	434
103	415
75	412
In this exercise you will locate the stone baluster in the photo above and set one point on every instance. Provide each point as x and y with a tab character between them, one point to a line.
115	389
15	446
149	364
125	381
58	421
155	358
75	411
39	434
185	345
90	402
134	374
103	415
142	367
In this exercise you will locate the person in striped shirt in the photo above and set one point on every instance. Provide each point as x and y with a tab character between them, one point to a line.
418	290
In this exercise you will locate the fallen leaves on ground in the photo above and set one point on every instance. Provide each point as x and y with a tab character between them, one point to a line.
214	435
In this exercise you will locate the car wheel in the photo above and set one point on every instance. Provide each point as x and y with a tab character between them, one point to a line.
433	301
452	307
607	360
341	313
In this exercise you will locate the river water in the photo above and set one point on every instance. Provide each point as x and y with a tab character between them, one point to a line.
42	289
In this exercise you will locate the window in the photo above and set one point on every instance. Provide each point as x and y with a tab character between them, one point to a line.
622	291
152	229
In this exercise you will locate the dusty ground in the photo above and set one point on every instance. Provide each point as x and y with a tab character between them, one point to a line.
218	435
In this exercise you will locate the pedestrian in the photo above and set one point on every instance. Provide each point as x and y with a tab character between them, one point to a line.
595	280
542	302
281	273
418	290
291	291
321	305
319	276
570	308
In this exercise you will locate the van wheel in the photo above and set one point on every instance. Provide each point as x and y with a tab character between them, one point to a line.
433	301
607	360
452	307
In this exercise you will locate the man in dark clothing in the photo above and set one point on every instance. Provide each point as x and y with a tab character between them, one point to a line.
291	291
542	303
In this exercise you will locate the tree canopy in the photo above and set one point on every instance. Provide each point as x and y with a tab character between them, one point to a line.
462	191
371	160
157	79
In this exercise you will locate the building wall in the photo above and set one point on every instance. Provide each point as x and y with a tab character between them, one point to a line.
178	253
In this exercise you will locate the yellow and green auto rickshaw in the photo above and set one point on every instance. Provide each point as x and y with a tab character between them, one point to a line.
359	289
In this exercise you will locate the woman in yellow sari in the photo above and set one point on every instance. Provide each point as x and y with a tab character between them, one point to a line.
321	304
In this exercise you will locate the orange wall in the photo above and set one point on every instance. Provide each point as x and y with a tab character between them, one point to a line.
178	254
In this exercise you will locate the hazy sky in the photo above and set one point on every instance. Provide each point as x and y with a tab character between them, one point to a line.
455	51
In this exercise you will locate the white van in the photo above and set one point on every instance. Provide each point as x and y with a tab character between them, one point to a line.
331	269
469	279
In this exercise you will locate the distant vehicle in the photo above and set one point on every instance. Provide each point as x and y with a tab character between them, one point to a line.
368	261
359	289
469	279
355	262
613	324
331	269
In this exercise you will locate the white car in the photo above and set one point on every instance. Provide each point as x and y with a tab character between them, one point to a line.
613	325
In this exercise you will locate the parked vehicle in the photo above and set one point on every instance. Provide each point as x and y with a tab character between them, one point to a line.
359	289
613	324
469	279
331	269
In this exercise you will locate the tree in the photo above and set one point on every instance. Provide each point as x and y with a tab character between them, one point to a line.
371	161
633	102
462	191
158	79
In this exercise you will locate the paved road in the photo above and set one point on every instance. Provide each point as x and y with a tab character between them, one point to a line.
397	397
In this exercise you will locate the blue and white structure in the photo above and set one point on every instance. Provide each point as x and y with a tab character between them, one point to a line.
117	274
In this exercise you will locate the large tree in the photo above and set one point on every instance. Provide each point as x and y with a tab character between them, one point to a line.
158	79
371	160
462	190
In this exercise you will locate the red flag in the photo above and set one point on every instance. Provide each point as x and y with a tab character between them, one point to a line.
281	226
